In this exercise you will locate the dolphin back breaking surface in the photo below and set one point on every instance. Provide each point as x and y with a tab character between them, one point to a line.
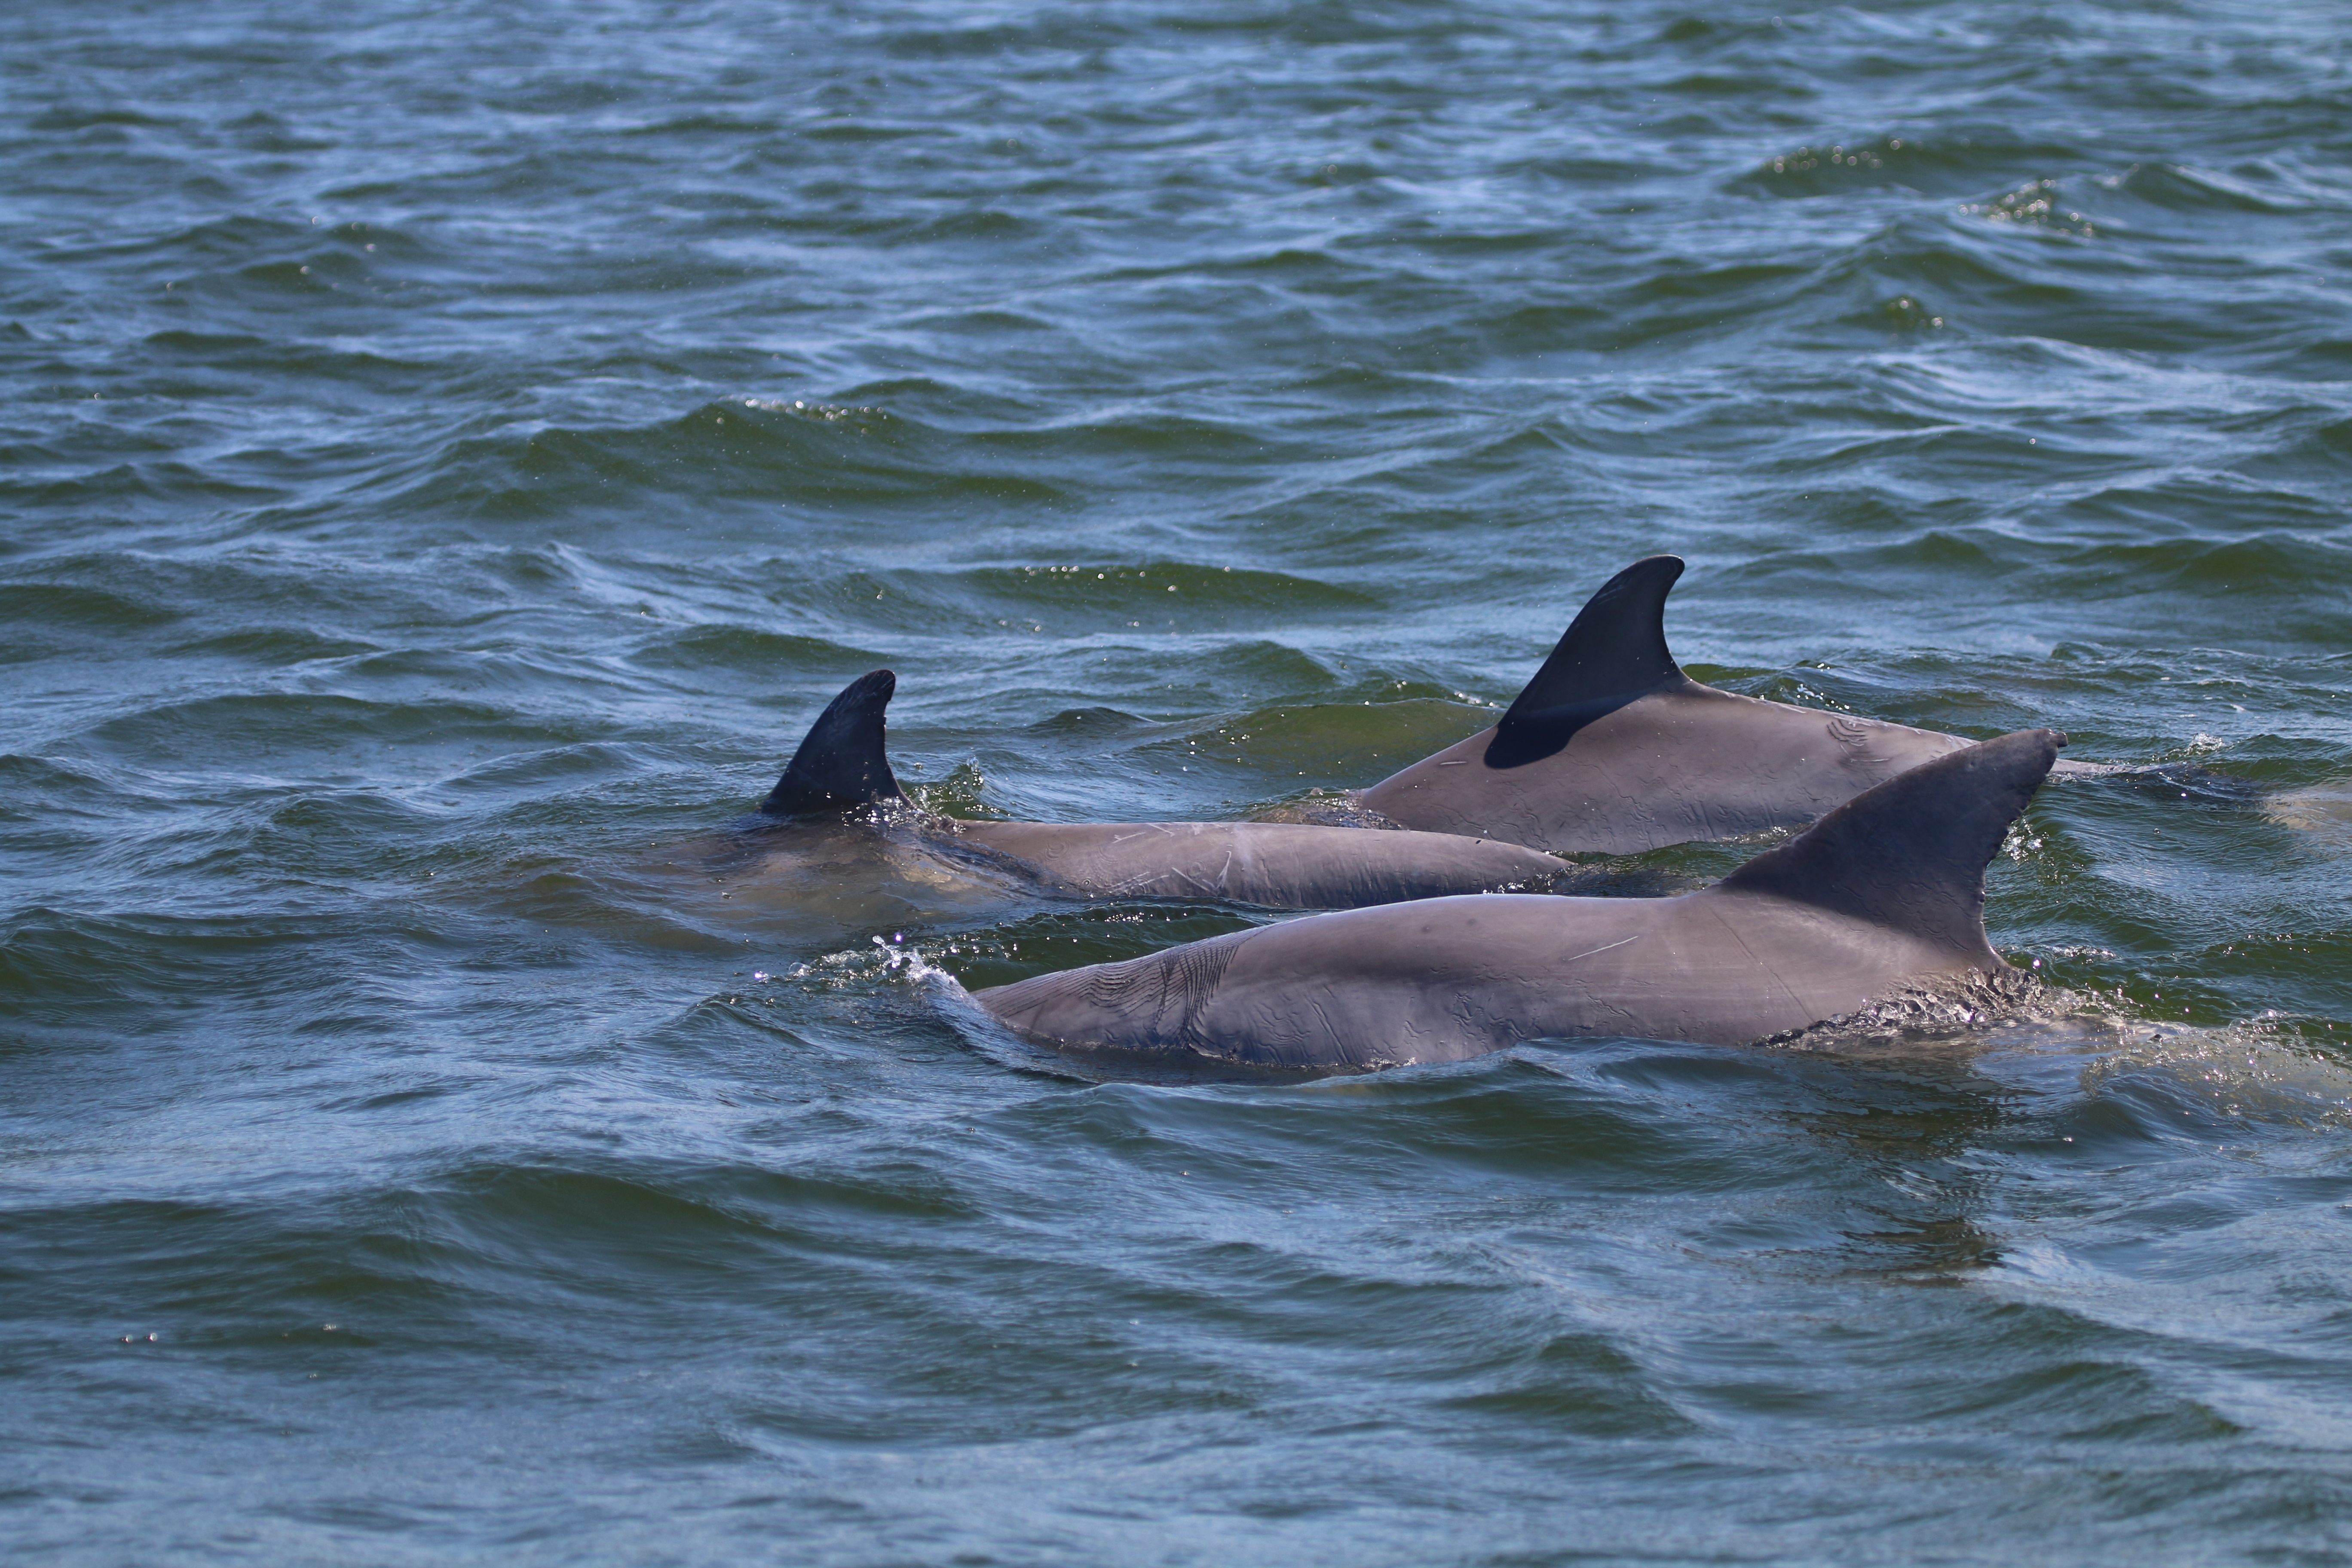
1887	889
1612	749
840	784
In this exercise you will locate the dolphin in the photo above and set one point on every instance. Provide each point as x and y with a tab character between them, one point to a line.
841	775
1611	748
1885	891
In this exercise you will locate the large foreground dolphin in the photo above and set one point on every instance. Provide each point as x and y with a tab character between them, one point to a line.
1887	889
841	775
1612	749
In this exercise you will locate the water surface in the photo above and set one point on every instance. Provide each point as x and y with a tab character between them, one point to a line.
449	453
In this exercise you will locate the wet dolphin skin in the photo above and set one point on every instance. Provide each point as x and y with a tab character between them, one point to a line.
841	773
1611	748
1887	889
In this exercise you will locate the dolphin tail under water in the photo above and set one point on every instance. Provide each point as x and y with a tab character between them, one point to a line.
1886	891
1611	748
843	762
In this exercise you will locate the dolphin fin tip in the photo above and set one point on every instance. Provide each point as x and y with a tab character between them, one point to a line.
1910	853
1614	651
843	761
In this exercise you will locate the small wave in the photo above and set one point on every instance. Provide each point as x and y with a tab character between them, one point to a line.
1060	34
1065	938
1932	1014
2322	810
984	323
979	1029
67	120
1363	741
276	647
1113	595
1808	170
796	452
2182	188
1936	164
76	607
70	971
751	652
705	123
344	363
302	730
2270	564
977	222
216	242
2036	204
2231	1079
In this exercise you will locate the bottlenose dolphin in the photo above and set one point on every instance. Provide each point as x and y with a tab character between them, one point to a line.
1887	889
1612	749
840	774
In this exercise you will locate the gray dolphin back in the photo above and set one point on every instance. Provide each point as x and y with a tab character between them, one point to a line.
1274	865
1613	652
842	763
1910	855
1612	749
1887	889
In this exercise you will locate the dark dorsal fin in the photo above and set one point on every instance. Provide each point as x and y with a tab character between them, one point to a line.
842	763
1911	854
1614	651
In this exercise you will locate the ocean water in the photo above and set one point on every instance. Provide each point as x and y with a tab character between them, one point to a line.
449	453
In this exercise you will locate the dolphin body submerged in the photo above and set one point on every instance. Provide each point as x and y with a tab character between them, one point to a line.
1613	750
1885	890
842	773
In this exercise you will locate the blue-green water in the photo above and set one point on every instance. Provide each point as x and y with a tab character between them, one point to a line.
449	453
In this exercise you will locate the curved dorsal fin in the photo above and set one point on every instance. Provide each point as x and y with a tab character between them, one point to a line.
842	763
1614	651
1911	854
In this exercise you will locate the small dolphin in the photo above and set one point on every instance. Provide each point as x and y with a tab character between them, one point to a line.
1612	749
842	772
1885	890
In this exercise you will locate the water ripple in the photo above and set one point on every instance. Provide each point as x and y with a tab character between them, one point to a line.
453	457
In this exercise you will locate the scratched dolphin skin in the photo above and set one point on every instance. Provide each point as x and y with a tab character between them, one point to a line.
1611	748
842	774
1887	889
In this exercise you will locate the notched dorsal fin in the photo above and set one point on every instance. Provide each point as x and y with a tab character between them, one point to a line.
1911	854
842	763
1614	651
